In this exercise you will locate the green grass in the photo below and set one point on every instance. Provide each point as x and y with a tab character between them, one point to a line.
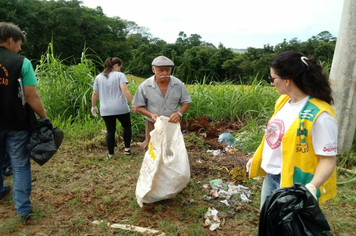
79	185
69	193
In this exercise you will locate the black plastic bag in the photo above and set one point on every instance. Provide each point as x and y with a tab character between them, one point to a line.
44	141
292	211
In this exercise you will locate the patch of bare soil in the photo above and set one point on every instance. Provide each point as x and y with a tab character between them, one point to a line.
204	164
62	206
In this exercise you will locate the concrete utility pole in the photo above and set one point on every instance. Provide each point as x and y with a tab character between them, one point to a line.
343	76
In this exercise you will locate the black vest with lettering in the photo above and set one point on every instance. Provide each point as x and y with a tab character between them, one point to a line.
14	116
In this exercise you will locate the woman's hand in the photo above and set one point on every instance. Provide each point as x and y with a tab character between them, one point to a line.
311	189
134	108
94	111
248	165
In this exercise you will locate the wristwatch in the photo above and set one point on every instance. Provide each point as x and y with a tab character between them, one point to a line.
180	114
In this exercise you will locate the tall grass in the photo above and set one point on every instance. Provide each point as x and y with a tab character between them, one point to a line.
66	93
65	90
232	102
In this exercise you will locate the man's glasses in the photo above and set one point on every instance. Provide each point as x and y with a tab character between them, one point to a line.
271	79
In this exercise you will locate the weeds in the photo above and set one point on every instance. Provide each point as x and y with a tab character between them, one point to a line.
78	185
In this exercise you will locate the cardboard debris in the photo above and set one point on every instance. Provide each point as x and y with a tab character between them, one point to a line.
132	228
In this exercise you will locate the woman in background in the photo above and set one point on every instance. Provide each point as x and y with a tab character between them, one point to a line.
300	143
110	87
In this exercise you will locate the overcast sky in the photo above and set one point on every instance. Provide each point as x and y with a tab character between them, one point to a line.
234	23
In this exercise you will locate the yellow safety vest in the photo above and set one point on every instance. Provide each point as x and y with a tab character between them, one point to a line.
299	159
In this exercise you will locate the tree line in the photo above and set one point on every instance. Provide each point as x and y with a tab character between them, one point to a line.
72	29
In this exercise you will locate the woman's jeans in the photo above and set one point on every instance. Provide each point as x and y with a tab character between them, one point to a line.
271	183
110	122
15	144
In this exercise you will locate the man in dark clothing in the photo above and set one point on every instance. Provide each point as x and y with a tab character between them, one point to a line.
6	166
19	100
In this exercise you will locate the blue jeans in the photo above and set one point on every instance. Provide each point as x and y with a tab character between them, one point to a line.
271	183
14	144
6	164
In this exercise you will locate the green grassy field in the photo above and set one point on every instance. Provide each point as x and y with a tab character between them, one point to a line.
79	186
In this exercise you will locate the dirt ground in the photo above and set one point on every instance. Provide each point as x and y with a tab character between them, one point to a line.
228	158
79	186
203	165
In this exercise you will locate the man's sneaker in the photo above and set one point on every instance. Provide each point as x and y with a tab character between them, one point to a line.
5	192
127	151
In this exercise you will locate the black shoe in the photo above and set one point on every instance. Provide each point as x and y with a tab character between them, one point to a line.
127	151
8	172
5	192
25	218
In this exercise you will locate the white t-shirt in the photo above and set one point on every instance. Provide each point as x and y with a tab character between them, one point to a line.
112	100
324	135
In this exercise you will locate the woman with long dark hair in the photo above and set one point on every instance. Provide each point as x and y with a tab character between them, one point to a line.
110	87
300	143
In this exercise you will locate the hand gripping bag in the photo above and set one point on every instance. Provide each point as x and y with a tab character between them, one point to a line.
292	211
165	169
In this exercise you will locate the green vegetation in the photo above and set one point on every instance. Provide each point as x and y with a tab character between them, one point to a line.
71	27
79	186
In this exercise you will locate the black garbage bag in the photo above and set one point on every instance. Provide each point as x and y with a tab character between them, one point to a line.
44	141
292	211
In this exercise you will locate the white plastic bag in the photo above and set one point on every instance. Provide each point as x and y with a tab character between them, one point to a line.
165	169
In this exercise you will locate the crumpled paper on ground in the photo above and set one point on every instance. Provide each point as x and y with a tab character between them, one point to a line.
212	219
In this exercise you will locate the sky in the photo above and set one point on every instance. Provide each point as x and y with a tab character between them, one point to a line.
234	23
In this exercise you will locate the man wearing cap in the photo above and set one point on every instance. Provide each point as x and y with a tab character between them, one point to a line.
161	95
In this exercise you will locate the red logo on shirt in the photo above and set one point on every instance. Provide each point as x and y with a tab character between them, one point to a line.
329	149
274	133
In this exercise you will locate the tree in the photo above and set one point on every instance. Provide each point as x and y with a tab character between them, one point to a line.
233	69
343	77
218	59
293	44
194	40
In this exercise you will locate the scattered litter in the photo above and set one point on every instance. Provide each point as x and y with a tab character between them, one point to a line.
221	190
244	198
231	151
212	219
132	228
190	202
225	202
225	194
206	186
231	194
215	152
214	193
232	211
227	138
231	142
199	161
182	218
217	183
207	198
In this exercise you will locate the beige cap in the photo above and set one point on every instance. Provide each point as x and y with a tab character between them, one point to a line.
162	61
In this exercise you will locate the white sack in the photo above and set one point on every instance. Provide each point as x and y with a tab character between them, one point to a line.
165	169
